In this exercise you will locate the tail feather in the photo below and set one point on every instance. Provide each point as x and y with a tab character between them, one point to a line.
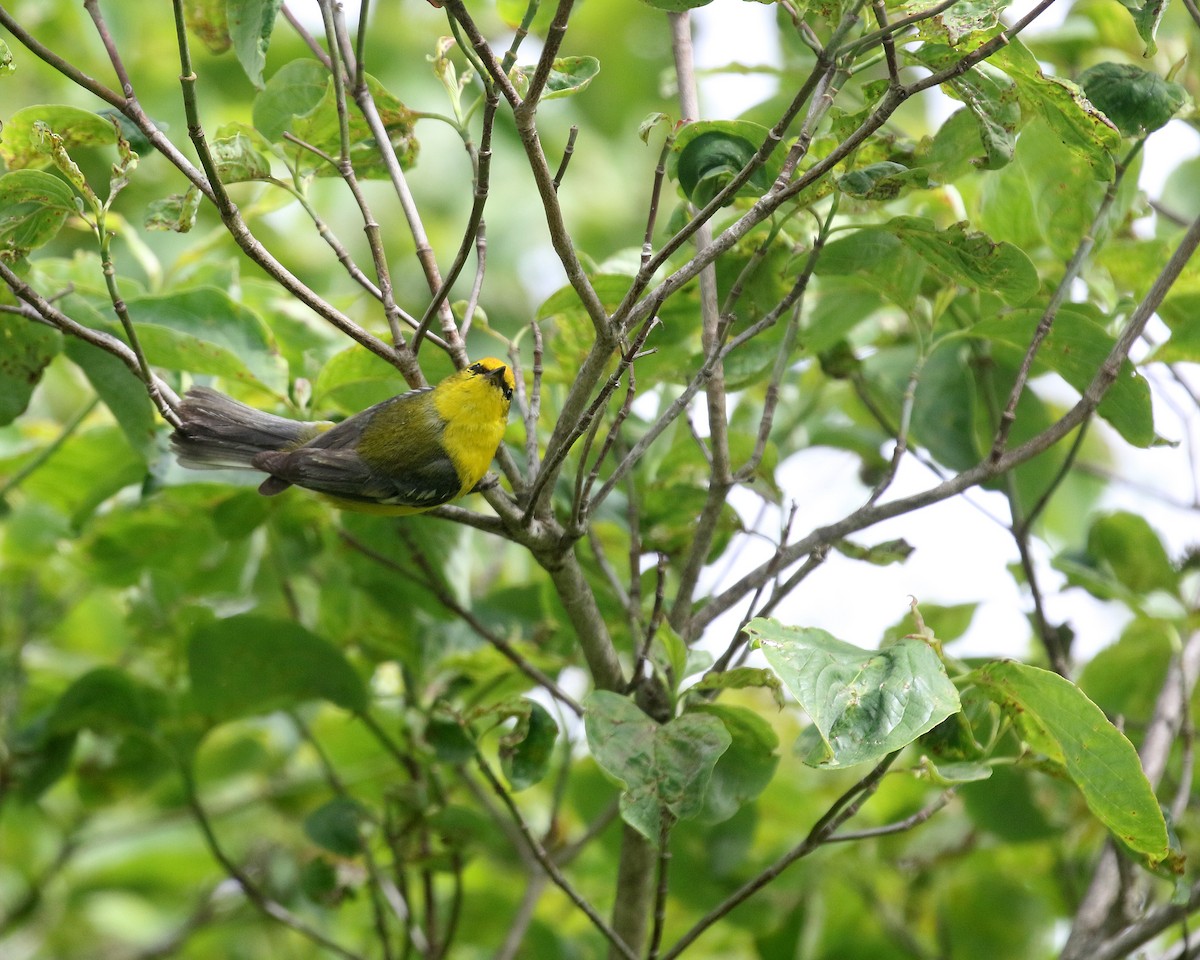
217	431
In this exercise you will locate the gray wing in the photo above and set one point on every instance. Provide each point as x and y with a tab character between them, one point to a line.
341	472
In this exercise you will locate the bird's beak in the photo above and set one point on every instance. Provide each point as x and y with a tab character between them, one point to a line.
497	376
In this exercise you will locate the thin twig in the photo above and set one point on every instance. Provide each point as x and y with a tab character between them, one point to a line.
268	907
845	807
1086	242
662	887
568	152
430	580
900	826
547	863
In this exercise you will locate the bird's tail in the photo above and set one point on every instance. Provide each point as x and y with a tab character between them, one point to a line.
216	431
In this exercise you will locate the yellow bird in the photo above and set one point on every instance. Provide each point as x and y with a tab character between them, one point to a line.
405	455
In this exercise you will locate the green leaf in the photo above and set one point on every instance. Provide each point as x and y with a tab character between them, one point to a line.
1076	348
568	75
665	768
708	154
25	350
739	678
107	700
1146	18
335	826
1129	547
354	379
877	258
881	554
251	664
969	257
525	753
1136	101
990	97
294	90
885	180
207	19
1080	128
864	704
84	471
33	207
7	67
321	127
744	770
204	330
240	154
250	23
450	739
1056	719
122	392
22	146
176	213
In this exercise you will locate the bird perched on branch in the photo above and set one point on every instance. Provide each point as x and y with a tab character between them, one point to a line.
405	455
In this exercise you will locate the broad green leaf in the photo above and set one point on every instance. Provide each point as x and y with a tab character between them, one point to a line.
176	213
878	258
240	154
122	392
744	770
7	68
568	75
1126	678
1006	806
25	350
953	773
666	768
335	826
294	90
107	700
1076	348
354	379
1059	721
205	331
250	23
864	704
321	127
1080	128
947	623
1048	195
1146	17
84	471
33	207
23	147
885	180
739	678
708	154
1136	101
450	739
249	664
969	257
37	759
526	751
207	19
944	408
1128	546
990	97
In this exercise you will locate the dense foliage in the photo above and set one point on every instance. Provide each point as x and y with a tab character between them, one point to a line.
562	717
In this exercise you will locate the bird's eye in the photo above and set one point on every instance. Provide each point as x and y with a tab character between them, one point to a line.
477	369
